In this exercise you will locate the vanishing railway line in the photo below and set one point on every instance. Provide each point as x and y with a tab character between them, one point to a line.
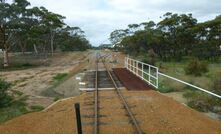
119	94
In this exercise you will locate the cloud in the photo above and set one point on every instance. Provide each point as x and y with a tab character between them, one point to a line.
98	18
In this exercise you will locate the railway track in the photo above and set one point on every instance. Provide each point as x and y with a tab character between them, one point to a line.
131	116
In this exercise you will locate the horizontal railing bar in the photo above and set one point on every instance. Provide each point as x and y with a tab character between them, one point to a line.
133	66
211	93
143	63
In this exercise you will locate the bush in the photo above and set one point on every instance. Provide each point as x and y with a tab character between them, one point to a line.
4	97
164	88
60	76
150	58
57	98
145	60
15	109
196	67
217	83
27	65
37	108
201	101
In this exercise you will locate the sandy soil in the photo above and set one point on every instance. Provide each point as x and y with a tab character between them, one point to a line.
156	114
178	96
35	80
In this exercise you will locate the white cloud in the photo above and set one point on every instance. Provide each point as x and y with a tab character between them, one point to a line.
100	17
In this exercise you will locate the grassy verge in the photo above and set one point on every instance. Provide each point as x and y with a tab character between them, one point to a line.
12	103
56	99
17	108
19	66
37	108
165	89
60	77
202	101
195	99
57	80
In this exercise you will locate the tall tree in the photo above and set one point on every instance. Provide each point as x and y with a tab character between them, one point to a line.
52	22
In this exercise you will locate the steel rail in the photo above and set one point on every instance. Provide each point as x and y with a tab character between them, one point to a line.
135	123
96	97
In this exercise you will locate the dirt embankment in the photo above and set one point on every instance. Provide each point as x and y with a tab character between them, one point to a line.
155	113
32	82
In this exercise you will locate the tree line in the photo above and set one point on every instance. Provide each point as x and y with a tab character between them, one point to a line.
174	37
35	29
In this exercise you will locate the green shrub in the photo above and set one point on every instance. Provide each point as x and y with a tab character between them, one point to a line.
57	98
15	109
196	67
200	105
164	89
4	97
201	101
217	83
37	108
18	93
152	57
27	65
60	76
145	60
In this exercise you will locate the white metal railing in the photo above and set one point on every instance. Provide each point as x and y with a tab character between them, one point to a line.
199	88
145	71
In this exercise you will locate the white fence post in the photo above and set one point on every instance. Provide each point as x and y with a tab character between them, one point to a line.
157	84
125	62
142	72
149	75
133	66
137	68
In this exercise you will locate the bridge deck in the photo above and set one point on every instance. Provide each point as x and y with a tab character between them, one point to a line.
129	80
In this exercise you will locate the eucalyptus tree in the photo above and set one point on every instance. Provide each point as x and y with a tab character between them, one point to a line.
177	32
34	28
72	39
52	23
117	36
208	36
132	28
175	36
25	21
8	21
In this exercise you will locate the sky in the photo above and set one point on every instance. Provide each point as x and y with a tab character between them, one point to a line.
98	18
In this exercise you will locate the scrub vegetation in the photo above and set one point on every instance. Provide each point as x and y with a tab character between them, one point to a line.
12	103
181	47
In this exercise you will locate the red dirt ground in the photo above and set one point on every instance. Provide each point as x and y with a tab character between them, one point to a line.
129	80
